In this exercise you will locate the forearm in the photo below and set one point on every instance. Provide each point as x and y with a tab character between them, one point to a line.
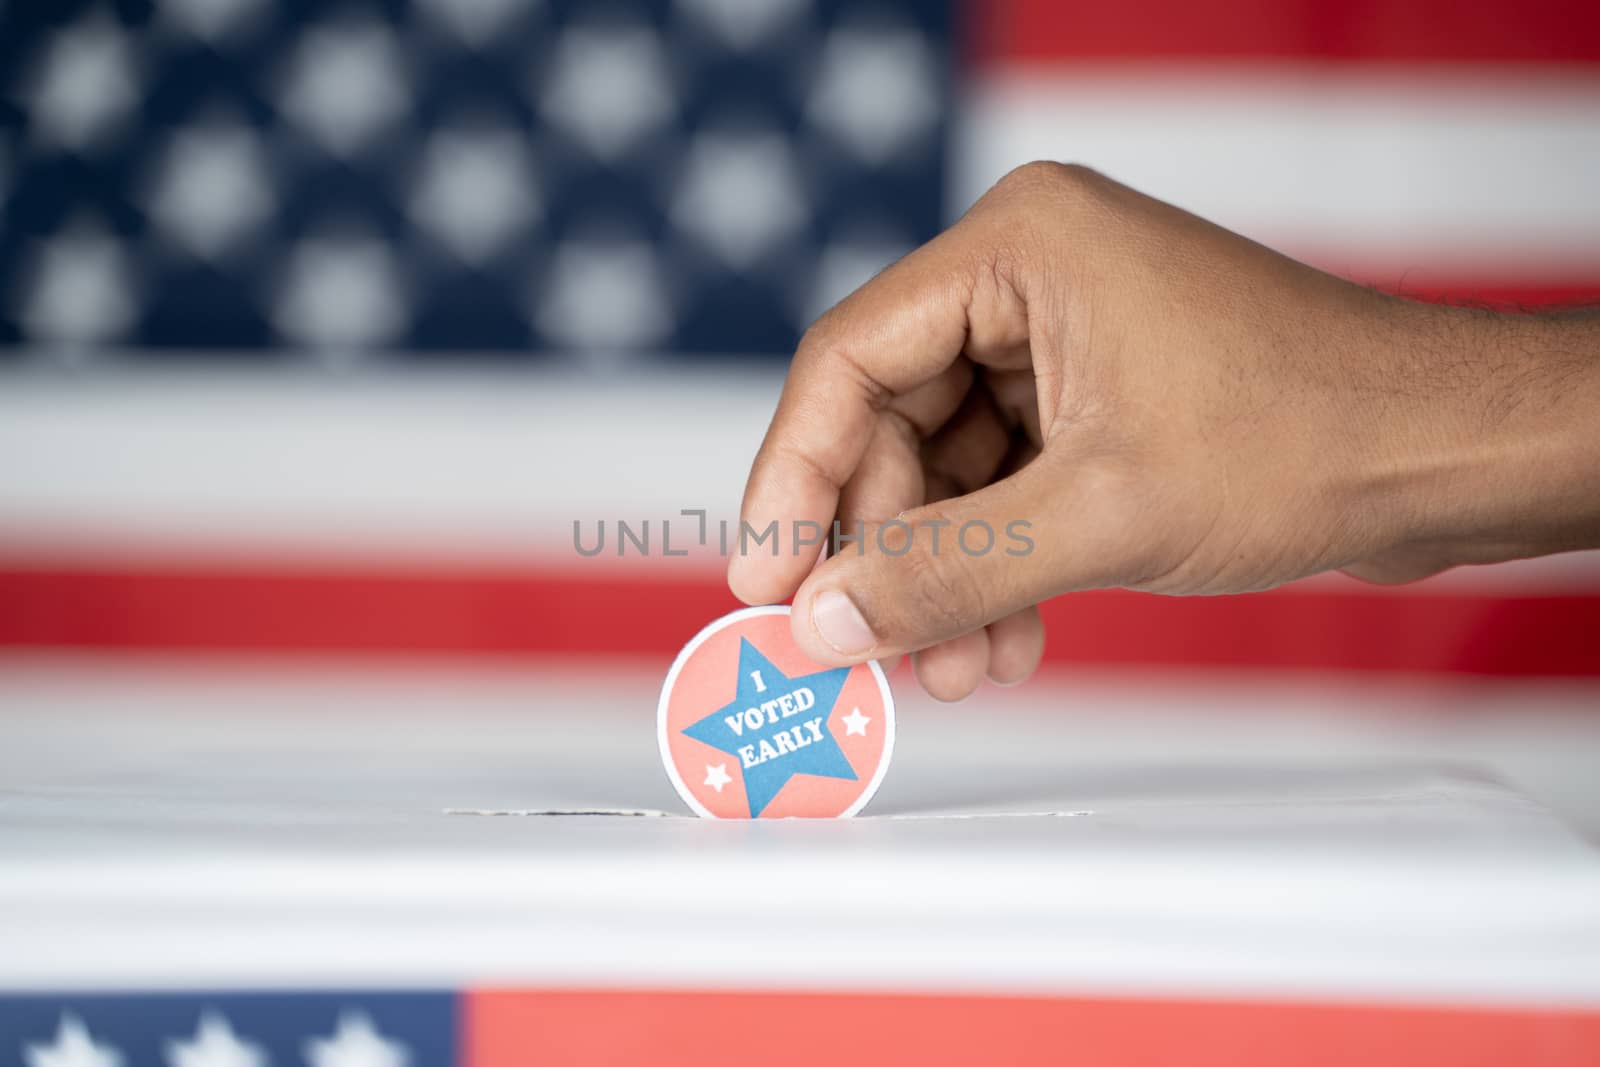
1511	464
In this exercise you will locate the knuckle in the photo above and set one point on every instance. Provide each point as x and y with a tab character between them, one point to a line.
1079	176
1046	198
1037	174
1108	483
821	339
1046	178
1128	511
827	344
943	590
1115	494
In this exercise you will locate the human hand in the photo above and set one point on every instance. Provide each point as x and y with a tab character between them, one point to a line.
1164	406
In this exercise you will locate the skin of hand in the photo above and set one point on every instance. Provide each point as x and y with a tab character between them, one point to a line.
1169	407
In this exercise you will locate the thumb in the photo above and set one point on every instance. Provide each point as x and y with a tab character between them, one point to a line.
944	570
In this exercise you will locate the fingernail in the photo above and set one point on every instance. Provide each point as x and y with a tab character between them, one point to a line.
841	624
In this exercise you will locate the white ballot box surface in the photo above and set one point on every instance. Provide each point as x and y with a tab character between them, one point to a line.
387	867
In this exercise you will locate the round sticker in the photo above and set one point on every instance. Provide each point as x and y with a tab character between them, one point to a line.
751	728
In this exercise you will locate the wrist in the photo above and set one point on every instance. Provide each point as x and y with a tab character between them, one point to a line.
1502	444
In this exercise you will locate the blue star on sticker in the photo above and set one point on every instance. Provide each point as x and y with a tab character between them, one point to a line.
777	727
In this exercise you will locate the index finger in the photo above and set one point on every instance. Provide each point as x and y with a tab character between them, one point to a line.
897	332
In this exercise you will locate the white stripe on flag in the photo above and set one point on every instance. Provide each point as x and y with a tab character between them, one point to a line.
476	467
1493	172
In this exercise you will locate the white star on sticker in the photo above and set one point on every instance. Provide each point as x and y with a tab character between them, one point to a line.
855	723
717	776
356	1043
214	1045
73	1047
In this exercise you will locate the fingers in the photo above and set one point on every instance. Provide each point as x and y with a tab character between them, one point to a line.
1007	652
952	669
1016	645
900	331
929	406
943	571
1399	567
959	456
888	479
966	452
1017	399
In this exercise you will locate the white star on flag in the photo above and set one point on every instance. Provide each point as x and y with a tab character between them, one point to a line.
475	191
606	295
211	20
213	189
341	291
73	1047
346	83
876	91
356	1043
81	290
87	84
855	723
609	88
475	21
214	1045
740	193
745	24
717	776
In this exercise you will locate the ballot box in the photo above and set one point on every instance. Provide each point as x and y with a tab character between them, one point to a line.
376	868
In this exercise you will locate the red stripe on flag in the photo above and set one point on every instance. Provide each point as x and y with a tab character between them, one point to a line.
511	612
1402	31
1506	296
275	609
517	1028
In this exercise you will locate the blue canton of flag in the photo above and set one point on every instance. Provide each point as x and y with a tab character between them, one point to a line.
777	726
699	176
334	1029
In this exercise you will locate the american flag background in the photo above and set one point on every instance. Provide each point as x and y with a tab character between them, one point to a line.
498	175
322	327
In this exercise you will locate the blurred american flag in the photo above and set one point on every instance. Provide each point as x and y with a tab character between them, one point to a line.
426	187
703	176
322	323
510	175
